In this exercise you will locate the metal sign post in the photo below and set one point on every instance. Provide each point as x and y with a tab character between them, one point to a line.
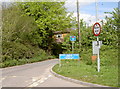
98	59
72	38
72	47
96	32
95	47
59	61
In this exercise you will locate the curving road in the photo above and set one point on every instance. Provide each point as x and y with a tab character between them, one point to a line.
34	75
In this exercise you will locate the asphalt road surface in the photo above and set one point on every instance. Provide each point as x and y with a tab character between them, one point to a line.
34	75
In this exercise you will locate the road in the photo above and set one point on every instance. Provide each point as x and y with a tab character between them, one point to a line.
34	75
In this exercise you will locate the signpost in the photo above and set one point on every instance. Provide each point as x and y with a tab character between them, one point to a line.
72	38
67	56
95	47
96	31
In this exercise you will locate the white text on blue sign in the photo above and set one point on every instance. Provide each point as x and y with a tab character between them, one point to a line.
69	56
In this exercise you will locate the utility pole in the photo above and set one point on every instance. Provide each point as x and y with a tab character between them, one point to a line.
78	24
0	35
96	11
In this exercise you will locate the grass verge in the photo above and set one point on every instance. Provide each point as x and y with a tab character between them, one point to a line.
108	76
87	71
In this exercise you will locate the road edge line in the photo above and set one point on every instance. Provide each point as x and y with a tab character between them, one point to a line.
74	80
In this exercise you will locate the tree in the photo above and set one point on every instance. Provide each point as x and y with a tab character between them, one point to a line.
108	36
49	17
17	34
111	28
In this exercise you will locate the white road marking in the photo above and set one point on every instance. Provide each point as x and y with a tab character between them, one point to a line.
50	76
2	79
14	76
40	79
34	84
46	78
26	81
35	78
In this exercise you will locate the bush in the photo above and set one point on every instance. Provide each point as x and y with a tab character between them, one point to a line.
20	39
20	51
14	50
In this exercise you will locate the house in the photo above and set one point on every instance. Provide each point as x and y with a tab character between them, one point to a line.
59	35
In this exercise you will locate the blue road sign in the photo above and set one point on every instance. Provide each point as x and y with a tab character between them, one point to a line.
69	56
72	38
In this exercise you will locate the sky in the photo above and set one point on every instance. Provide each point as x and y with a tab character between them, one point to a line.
88	9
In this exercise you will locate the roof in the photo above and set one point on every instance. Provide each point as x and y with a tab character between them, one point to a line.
61	32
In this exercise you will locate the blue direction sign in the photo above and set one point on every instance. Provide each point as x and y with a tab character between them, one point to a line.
69	56
72	38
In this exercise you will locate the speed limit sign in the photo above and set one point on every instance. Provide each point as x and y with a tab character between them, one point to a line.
96	29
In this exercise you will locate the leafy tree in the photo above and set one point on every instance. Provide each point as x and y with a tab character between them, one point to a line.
108	36
28	27
49	17
17	35
111	28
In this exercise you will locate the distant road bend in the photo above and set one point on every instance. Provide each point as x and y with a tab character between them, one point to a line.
34	75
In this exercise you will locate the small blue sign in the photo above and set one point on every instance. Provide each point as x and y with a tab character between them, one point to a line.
72	38
69	56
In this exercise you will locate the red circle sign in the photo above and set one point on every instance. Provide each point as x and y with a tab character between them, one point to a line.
96	29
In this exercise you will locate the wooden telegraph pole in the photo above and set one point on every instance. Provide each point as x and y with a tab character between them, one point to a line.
78	24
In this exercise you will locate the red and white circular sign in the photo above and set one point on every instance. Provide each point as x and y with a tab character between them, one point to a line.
96	29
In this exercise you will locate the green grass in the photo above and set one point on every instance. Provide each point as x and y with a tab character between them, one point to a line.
78	70
86	71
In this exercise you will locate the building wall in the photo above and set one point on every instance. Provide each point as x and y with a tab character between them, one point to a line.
63	35
59	37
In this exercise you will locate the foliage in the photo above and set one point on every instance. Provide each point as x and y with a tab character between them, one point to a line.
28	29
108	54
18	34
86	39
49	17
111	28
108	36
114	21
15	62
17	30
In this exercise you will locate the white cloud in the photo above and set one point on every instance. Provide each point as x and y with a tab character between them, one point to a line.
89	19
104	15
71	4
